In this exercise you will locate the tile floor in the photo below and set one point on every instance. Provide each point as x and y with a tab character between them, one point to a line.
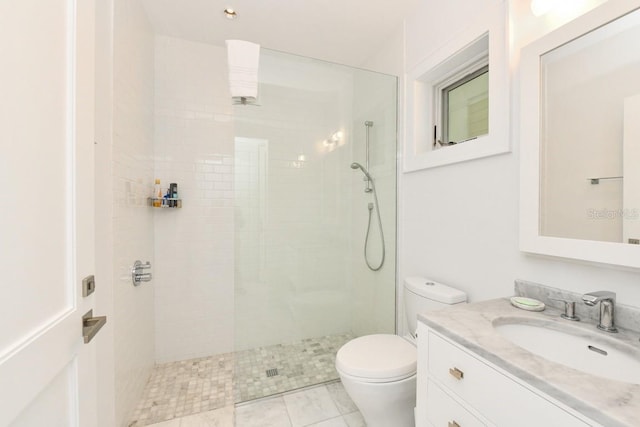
320	406
186	387
203	386
299	364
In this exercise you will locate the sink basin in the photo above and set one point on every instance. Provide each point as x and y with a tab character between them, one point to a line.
573	347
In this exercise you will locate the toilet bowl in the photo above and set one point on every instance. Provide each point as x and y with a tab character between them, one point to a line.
379	374
378	371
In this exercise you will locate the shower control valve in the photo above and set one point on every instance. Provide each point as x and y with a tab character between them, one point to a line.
137	273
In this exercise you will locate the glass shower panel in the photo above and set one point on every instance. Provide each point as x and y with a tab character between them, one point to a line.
302	288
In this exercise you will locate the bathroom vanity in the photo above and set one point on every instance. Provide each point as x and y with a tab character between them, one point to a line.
470	374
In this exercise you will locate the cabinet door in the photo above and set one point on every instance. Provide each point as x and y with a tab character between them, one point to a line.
499	399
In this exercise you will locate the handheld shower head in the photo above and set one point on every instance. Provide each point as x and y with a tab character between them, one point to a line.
356	165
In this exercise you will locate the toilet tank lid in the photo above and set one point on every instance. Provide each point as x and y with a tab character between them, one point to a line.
434	291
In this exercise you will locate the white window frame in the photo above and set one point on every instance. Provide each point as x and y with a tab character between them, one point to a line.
486	37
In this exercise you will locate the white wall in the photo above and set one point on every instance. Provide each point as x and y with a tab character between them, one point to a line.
194	246
132	174
459	223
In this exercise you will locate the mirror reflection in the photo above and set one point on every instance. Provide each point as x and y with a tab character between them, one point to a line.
590	135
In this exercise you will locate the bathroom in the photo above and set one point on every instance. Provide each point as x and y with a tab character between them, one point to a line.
457	224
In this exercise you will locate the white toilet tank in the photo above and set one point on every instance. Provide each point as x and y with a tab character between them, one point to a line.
422	295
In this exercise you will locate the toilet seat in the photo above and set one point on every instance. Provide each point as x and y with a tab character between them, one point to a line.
377	358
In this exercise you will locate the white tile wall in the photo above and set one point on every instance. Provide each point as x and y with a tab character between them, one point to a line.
193	271
292	249
132	171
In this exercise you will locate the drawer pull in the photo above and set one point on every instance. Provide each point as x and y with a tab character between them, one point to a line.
456	373
453	424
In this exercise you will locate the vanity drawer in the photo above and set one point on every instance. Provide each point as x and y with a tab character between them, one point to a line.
443	411
497	397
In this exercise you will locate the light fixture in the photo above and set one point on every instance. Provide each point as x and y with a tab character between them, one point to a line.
299	164
230	13
540	7
333	139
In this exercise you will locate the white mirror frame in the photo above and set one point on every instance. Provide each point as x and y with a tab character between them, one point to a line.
530	88
423	79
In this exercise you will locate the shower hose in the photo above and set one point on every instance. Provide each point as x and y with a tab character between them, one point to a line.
366	239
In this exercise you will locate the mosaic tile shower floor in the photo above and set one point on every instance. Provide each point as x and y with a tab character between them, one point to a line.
192	386
300	364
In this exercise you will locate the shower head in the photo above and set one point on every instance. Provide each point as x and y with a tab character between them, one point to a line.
356	165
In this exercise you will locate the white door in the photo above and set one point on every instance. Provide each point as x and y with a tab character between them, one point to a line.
47	375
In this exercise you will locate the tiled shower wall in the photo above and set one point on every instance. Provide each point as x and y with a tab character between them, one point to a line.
132	171
293	252
193	270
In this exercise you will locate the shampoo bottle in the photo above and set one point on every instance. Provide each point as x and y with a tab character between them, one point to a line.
157	194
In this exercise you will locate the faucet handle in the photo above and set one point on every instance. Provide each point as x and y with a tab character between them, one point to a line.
569	309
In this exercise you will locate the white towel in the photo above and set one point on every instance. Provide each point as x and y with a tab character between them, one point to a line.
243	58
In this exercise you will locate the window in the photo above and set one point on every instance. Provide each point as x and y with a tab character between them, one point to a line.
465	107
463	111
478	126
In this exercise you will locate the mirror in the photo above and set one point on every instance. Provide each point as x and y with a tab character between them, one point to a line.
588	87
580	135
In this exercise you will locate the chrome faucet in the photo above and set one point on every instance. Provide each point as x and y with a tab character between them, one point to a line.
607	302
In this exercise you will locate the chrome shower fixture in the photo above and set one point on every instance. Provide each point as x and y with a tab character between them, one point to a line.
356	165
370	208
367	177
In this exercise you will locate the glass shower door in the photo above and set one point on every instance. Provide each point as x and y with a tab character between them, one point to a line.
302	288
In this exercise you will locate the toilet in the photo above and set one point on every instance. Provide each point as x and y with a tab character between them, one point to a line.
379	371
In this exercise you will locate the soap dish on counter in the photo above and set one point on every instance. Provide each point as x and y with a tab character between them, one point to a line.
528	304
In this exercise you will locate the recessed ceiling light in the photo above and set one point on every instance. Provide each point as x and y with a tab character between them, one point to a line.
230	13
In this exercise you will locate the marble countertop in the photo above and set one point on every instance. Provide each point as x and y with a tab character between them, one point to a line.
608	402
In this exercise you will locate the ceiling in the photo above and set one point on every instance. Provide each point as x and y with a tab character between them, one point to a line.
342	31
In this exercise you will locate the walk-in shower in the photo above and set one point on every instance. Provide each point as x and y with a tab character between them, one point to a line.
301	290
